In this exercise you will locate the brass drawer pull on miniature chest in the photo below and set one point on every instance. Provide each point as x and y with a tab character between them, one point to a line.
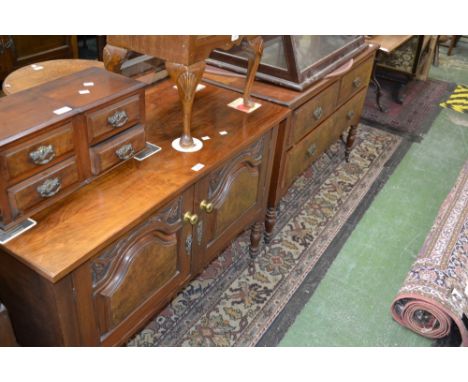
318	112
125	152
43	154
311	150
207	207
118	119
190	218
357	82
49	188
350	114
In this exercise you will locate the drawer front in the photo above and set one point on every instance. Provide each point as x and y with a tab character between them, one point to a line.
350	113
314	112
117	149
308	150
39	153
43	186
356	80
114	118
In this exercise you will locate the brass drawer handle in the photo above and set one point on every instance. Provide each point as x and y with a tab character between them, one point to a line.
207	207
49	188
42	155
311	150
318	112
125	152
118	119
190	218
357	82
350	114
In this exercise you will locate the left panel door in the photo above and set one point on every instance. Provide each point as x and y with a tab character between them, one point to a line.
138	274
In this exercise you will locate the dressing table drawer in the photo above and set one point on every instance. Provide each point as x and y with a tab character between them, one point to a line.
314	112
356	80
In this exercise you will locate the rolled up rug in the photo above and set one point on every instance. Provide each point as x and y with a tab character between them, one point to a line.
434	296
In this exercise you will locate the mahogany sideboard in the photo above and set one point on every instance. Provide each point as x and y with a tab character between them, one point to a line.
320	115
102	261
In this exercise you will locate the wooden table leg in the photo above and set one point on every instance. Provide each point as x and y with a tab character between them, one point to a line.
270	222
186	77
378	89
114	57
255	52
255	238
350	141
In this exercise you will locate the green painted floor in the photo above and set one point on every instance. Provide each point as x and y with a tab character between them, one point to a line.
351	305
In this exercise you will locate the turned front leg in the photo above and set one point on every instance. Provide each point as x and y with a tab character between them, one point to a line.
350	141
270	221
114	57
255	238
255	52
186	77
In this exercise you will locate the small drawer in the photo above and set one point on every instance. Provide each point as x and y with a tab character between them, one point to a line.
308	150
350	113
43	186
113	119
117	149
314	112
38	153
356	80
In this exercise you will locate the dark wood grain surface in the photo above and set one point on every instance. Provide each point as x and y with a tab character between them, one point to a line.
70	232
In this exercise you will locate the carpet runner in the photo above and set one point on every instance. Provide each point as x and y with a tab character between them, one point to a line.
232	304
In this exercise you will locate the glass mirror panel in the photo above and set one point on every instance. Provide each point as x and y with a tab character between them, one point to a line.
310	49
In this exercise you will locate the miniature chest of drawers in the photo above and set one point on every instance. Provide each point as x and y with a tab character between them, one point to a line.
58	136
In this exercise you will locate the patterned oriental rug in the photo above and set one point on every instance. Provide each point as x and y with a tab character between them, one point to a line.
232	304
434	295
414	117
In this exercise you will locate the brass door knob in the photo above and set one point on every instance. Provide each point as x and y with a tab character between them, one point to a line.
190	218
207	207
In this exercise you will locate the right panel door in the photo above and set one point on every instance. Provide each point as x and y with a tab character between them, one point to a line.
228	200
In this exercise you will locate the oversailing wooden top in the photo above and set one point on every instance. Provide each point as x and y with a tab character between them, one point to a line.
274	93
183	49
73	230
29	111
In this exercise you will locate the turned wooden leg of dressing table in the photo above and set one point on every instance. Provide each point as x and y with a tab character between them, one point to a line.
185	62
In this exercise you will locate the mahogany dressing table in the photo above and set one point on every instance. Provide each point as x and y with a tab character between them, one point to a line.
320	114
